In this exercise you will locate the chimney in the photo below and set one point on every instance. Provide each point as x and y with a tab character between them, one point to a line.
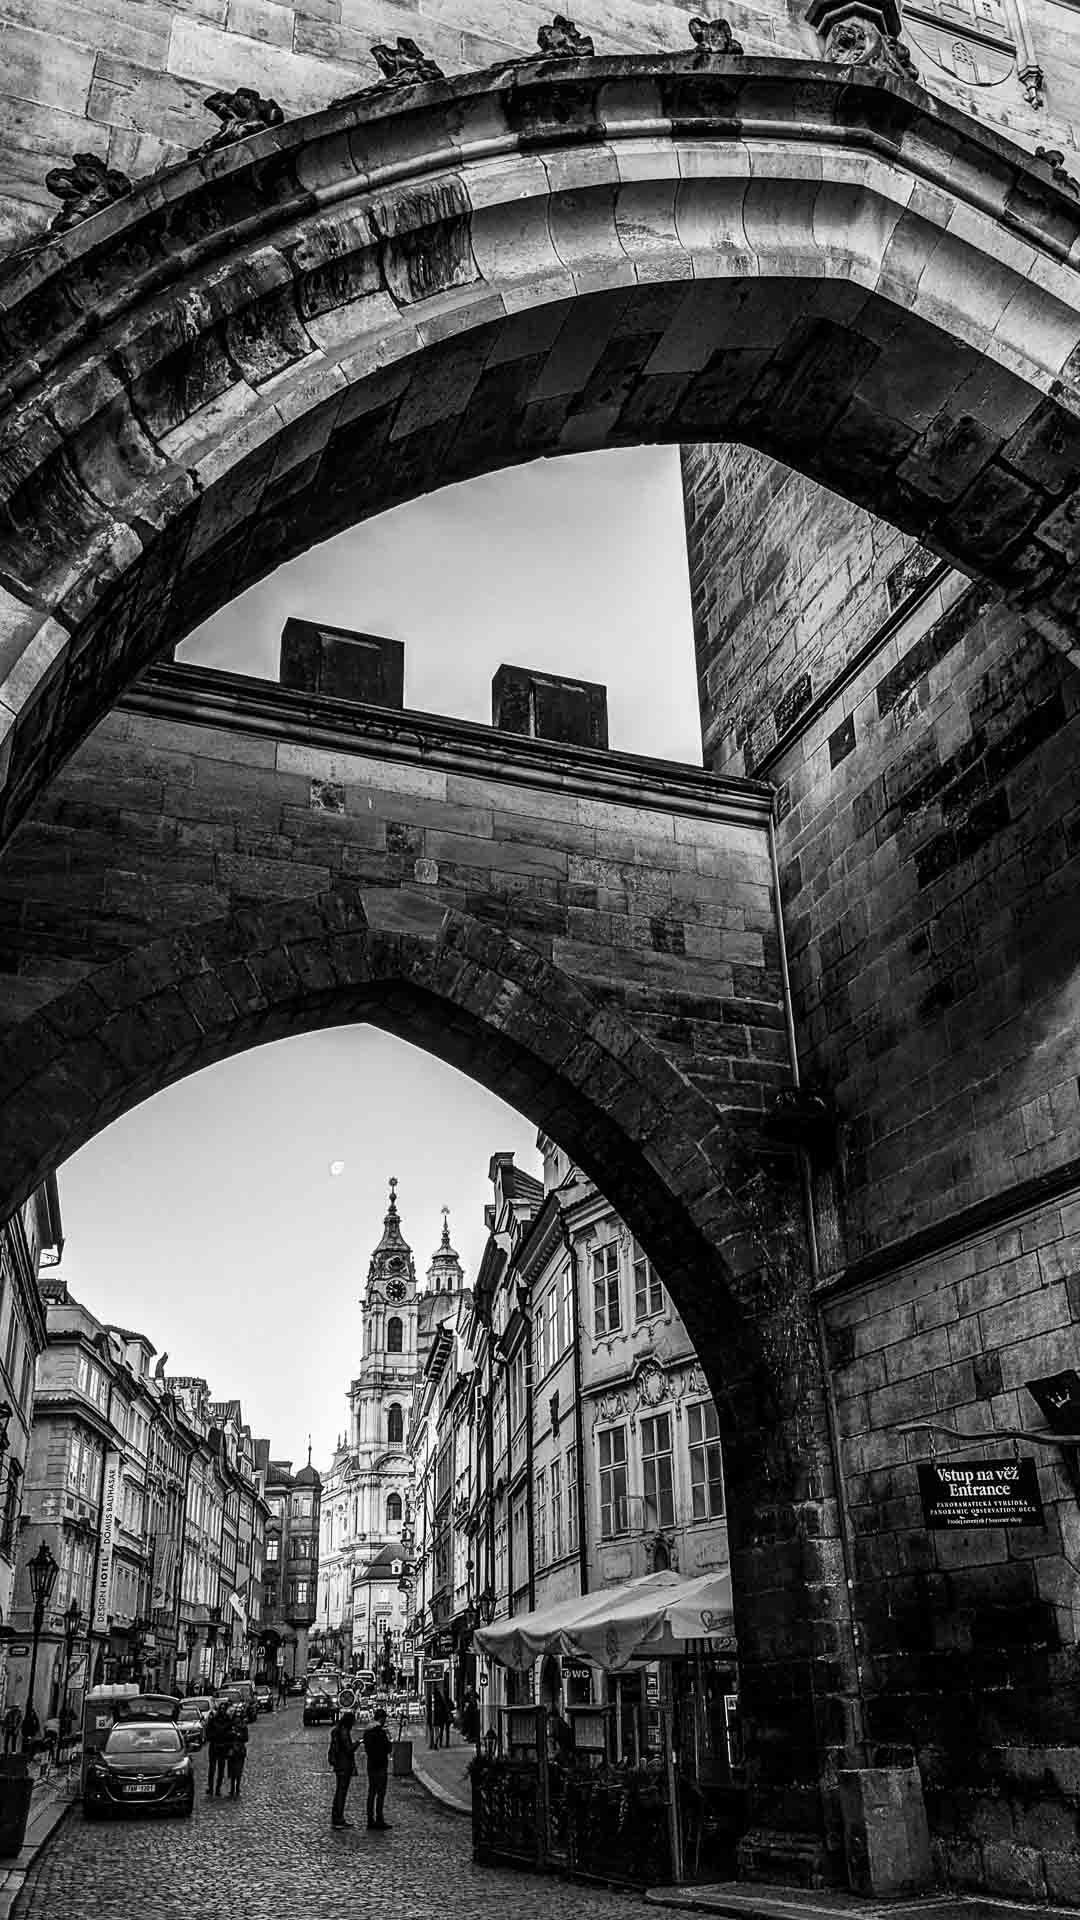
546	706
342	665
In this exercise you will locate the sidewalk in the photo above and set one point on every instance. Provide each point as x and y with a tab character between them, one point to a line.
52	1799
442	1772
740	1901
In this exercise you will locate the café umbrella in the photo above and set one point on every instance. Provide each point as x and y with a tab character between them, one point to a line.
645	1619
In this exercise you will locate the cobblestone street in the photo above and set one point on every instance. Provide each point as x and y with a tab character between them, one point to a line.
274	1854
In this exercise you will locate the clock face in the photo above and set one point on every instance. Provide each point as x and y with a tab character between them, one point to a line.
396	1290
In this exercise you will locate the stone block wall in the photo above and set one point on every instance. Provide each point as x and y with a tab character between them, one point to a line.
930	876
655	895
968	1639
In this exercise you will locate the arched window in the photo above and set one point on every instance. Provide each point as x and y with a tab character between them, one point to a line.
393	1510
394	1335
395	1426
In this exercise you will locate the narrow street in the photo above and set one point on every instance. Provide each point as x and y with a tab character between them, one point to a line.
273	1853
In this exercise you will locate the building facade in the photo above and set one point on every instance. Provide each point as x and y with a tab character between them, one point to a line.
564	1437
30	1243
290	1562
106	1489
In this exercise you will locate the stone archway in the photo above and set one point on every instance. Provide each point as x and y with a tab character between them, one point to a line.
261	347
673	1167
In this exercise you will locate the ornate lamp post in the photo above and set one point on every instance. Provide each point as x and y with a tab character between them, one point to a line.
72	1623
43	1570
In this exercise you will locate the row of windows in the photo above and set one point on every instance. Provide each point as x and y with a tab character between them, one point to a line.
607	1294
84	1465
657	1472
553	1320
299	1592
93	1382
556	1509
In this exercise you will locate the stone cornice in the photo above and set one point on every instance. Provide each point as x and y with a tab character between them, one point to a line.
205	696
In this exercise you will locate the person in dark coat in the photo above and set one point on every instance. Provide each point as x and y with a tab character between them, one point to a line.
470	1717
441	1715
377	1745
342	1757
218	1741
237	1751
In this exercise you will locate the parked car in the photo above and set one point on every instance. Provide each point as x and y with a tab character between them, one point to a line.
192	1719
295	1688
143	1764
240	1693
264	1699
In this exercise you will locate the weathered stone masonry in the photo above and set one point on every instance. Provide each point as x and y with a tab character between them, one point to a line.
592	936
249	353
924	753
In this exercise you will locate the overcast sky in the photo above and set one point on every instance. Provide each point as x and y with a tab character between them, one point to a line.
209	1218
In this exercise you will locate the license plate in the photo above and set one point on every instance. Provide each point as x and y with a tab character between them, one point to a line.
141	1787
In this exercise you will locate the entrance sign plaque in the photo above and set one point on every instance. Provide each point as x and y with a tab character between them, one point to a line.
981	1493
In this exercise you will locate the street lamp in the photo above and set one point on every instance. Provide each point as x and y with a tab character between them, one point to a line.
72	1623
43	1570
487	1604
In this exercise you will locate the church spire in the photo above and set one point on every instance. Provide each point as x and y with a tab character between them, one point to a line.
445	1274
392	1259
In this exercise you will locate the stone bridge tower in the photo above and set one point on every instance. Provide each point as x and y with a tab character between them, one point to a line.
832	250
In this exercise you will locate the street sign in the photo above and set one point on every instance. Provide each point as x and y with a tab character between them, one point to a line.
980	1493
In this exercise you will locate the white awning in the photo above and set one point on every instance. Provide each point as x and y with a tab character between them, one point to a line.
642	1619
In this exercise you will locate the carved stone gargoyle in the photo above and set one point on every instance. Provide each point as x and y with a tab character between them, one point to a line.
85	187
241	113
404	65
562	41
712	37
859	43
863	33
1056	163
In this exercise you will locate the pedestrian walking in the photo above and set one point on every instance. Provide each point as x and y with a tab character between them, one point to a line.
377	1745
236	1752
342	1757
442	1718
470	1717
12	1727
282	1688
219	1743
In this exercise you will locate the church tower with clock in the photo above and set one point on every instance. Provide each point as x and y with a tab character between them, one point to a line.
367	1490
380	1396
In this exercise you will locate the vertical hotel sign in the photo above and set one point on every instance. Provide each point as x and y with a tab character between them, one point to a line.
110	1500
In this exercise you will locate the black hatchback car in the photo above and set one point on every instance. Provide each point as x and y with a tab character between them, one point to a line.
144	1764
320	1705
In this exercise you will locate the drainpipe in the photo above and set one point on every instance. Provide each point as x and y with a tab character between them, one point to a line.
529	1495
847	1536
579	1413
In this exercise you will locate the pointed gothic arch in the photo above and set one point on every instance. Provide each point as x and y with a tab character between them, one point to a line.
678	1173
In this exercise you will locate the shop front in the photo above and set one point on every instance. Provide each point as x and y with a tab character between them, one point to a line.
624	1763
